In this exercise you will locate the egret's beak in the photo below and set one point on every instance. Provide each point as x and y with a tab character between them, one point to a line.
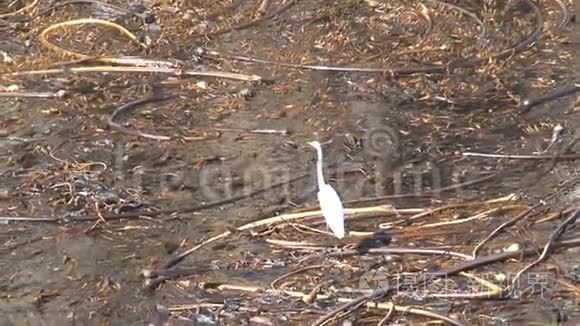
312	143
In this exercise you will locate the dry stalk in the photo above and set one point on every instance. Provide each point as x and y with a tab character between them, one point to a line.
298	271
21	10
114	69
494	291
478	216
196	306
503	199
525	157
549	247
45	42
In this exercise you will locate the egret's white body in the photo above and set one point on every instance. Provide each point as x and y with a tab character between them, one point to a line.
330	203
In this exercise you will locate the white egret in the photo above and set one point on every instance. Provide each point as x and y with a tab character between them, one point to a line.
330	203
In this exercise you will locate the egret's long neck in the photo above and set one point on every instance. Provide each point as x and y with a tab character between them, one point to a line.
319	175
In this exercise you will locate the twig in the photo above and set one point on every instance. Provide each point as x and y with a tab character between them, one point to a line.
569	243
471	218
174	261
300	270
350	213
23	9
494	290
513	221
569	286
251	23
82	21
196	306
399	251
387	316
255	131
481	215
313	294
554	94
394	71
171	71
524	157
297	244
507	198
11	246
465	12
256	289
350	303
482	261
549	247
126	107
424	13
529	40
263	8
504	225
553	216
174	272
58	94
566	16
28	219
309	230
412	310
561	152
130	61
